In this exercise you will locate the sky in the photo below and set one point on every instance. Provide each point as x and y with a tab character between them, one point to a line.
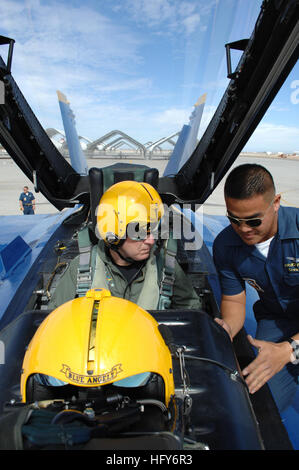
138	66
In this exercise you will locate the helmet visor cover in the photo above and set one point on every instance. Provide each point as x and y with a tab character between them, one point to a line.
141	230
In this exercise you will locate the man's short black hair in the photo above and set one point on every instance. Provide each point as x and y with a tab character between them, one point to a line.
248	180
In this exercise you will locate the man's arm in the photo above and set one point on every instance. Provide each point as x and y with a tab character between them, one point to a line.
66	288
232	313
21	202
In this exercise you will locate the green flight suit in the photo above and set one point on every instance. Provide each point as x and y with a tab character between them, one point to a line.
144	290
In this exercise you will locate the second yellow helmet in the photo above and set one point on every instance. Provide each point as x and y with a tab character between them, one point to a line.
98	340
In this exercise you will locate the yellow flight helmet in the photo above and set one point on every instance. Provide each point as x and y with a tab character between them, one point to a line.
97	340
128	208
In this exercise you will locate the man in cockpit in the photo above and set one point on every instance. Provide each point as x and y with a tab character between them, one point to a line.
261	246
127	259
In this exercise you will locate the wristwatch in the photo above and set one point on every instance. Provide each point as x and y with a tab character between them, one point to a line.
295	354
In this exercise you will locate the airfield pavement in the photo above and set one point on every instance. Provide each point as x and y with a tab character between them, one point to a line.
285	172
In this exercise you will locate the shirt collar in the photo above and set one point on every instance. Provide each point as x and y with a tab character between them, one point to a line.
288	222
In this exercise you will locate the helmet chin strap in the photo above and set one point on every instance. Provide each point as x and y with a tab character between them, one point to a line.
116	249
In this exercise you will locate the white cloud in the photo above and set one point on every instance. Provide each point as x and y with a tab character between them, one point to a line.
167	15
75	49
153	12
138	84
172	117
274	138
207	115
186	8
191	23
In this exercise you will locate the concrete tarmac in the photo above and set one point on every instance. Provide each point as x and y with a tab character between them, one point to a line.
285	172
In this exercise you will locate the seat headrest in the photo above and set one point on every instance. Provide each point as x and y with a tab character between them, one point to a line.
100	179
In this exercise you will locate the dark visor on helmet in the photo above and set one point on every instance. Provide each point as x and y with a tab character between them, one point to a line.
138	231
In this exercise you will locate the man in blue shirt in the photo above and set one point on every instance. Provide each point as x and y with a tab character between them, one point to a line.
261	247
27	201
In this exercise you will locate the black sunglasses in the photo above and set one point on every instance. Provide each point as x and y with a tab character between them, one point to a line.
255	222
250	222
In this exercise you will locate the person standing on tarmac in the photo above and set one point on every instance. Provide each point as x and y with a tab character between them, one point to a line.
27	201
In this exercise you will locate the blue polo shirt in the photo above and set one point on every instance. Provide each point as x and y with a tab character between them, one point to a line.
26	198
275	278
